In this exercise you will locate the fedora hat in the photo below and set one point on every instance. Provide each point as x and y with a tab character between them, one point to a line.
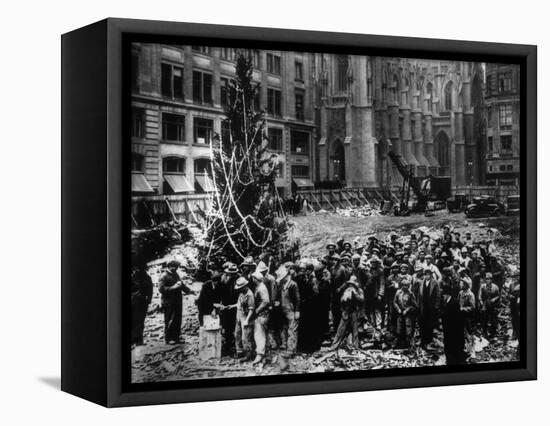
281	273
262	267
240	283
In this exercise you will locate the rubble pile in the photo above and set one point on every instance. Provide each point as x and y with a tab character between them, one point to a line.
361	211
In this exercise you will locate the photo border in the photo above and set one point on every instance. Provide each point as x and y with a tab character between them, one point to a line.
122	32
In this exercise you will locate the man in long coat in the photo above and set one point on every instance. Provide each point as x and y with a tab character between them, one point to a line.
171	288
428	307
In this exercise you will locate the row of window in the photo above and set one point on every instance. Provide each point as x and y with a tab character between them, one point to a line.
201	166
505	143
505	116
173	127
501	83
173	165
173	130
502	168
172	86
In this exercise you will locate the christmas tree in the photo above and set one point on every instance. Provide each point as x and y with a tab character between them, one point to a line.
246	218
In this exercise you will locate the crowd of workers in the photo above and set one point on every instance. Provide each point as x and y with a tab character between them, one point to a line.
402	287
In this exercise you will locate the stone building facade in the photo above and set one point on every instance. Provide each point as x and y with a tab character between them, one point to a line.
502	101
429	112
178	96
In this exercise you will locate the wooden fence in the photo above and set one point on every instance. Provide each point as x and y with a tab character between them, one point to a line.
152	210
325	199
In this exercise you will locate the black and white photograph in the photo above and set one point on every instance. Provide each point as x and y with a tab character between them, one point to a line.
318	212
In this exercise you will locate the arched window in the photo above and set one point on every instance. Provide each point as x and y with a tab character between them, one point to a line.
173	165
202	166
341	73
441	146
449	96
429	95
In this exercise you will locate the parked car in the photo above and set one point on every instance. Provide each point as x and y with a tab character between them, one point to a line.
484	206
513	205
457	203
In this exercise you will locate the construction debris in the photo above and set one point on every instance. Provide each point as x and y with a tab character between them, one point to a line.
362	211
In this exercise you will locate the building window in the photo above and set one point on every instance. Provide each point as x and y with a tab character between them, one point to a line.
138	123
202	87
201	49
299	70
300	171
502	167
299	142
203	129
490	168
449	96
275	137
256	60
280	171
429	95
137	162
171	81
489	117
227	53
224	91
173	165
274	102
489	84
510	167
135	72
173	127
273	64
226	131
202	166
299	104
490	143
505	82
257	102
505	117
341	73
506	142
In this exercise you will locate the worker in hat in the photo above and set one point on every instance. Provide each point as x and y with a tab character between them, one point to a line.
244	324
209	300
351	299
324	280
331	250
404	307
290	303
171	288
467	304
141	294
430	265
392	285
261	315
340	275
452	320
429	296
374	293
489	299
228	317
247	266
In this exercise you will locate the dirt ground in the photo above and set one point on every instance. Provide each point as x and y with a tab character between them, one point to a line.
155	361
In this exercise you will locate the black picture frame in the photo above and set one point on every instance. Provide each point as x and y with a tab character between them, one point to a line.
95	228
